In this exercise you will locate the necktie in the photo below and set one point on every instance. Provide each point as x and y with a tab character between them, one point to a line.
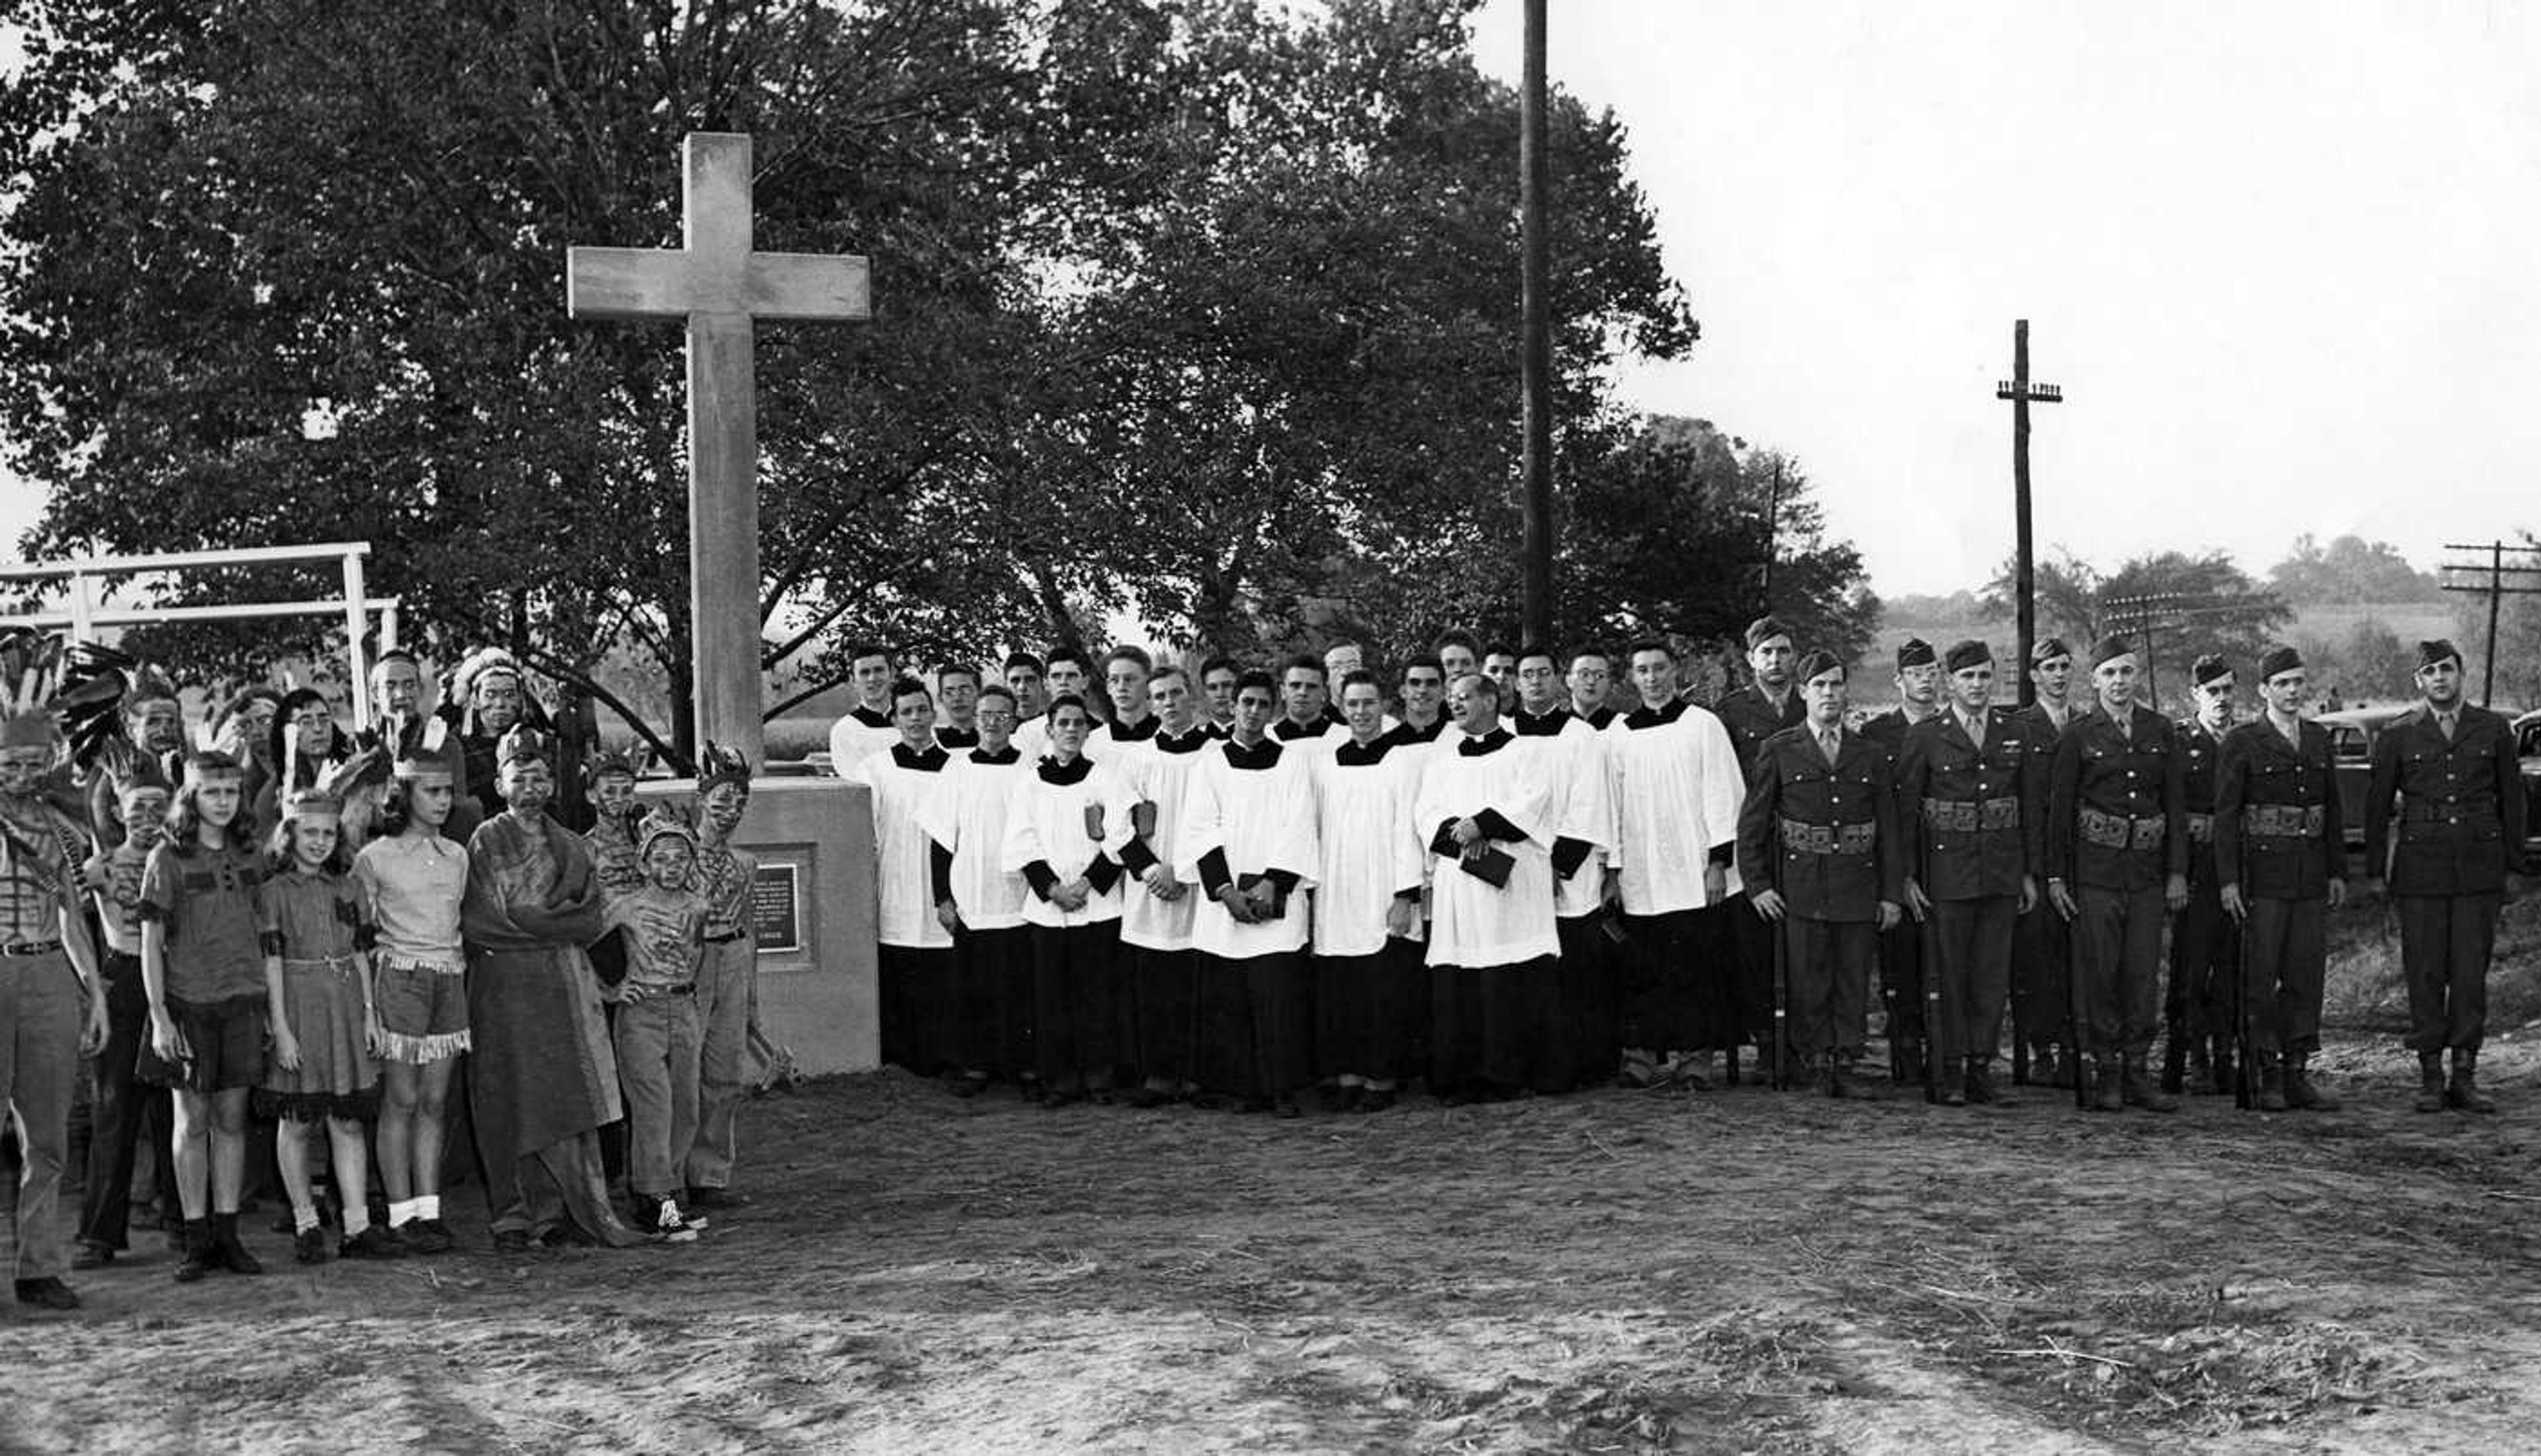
2445	722
2125	726
1827	742
1976	729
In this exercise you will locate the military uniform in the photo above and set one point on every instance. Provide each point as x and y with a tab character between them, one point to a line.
2116	831
2457	802
1751	718
2042	964
2279	838
1901	948
1974	819
1825	834
2196	1010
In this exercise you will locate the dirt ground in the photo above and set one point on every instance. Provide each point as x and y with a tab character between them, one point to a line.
1737	1270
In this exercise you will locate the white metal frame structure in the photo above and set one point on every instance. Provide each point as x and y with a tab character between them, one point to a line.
83	615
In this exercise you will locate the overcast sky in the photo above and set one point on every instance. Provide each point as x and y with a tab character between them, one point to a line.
2284	257
2281	255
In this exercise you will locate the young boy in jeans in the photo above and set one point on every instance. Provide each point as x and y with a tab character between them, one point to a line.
657	1033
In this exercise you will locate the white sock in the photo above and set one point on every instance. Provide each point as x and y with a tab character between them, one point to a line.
304	1218
428	1206
402	1213
357	1217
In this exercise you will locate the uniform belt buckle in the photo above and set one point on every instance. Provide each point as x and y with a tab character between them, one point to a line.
29	948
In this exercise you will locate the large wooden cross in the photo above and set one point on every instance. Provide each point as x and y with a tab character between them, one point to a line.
716	283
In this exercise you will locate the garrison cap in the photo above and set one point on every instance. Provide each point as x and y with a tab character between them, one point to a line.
2437	651
2047	650
1915	651
2108	649
1764	630
2279	658
1816	662
1967	653
2207	669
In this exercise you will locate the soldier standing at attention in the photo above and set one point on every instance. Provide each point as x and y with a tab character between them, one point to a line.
2204	948
2281	853
2447	773
1971	796
1752	714
1819	850
2042	961
1901	948
2115	857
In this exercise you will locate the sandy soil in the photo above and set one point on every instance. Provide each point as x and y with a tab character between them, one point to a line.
1611	1271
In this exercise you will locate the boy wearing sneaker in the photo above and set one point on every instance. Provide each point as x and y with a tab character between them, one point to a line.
657	1033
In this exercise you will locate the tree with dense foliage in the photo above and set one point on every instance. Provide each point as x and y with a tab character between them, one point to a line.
2175	605
2349	569
1194	310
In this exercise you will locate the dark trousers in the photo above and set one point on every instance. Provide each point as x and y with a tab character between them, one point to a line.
1828	962
920	1026
2445	942
2286	967
1487	1030
2041	976
1746	1014
1590	998
2204	951
1258	1023
1165	984
1678	974
992	981
1366	1011
1077	998
1972	941
120	1108
2117	968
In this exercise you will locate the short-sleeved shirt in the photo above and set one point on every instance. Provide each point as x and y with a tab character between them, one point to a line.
724	875
319	917
208	902
113	881
414	883
665	938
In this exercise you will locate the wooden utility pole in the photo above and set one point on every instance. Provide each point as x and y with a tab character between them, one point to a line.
2497	571
1535	366
1772	541
2022	393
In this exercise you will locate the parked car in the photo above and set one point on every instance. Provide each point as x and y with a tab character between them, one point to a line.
2528	749
2351	731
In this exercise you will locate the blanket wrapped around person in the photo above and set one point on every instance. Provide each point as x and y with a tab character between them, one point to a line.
541	1078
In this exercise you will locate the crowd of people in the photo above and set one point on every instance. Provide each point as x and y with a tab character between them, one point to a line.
1507	870
275	946
1499	872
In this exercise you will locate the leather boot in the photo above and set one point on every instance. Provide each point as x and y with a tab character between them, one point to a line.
2431	1082
2272	1086
2227	1077
2201	1073
1951	1082
226	1247
2108	1094
2068	1067
195	1258
2300	1094
2137	1088
1983	1090
1843	1082
2464	1093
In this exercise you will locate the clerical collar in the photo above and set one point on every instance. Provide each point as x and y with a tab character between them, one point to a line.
1261	755
1360	755
1413	732
925	761
1595	718
871	716
1289	729
1001	757
1492	742
958	738
1646	716
1145	729
1541	724
1074	771
1193	739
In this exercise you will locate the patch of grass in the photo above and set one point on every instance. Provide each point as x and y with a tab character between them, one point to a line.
2365	992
